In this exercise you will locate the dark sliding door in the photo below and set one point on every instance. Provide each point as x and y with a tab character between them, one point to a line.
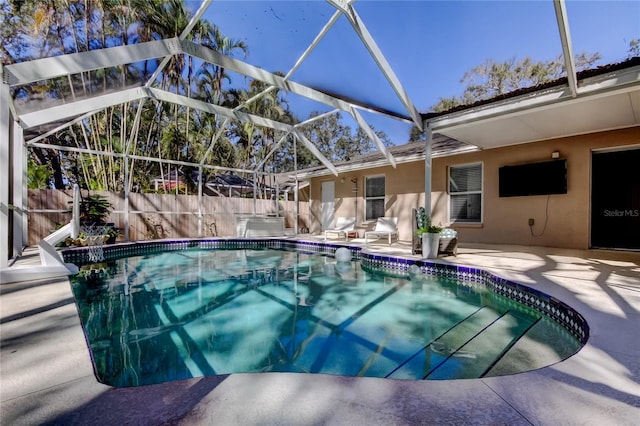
615	199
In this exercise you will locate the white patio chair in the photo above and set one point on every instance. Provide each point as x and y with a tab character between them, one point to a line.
344	225
385	227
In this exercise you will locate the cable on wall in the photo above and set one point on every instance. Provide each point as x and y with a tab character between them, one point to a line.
546	220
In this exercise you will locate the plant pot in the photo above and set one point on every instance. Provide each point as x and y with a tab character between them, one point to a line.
430	244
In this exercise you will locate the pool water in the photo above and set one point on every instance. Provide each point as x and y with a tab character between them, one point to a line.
190	313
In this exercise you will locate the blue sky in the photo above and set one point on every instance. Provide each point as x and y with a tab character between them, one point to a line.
429	44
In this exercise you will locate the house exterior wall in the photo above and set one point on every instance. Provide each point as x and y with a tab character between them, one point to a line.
505	220
404	187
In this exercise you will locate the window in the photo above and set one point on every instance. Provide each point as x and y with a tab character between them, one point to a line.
374	197
465	193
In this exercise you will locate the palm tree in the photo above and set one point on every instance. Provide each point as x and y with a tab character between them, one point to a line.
210	75
165	20
256	142
66	26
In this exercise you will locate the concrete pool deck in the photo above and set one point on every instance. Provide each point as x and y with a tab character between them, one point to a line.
46	375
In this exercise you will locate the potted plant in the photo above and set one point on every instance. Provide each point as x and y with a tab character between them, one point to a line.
111	233
429	233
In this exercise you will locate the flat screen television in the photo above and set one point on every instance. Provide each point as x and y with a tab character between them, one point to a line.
546	177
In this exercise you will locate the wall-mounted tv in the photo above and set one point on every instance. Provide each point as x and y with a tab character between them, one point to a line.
546	177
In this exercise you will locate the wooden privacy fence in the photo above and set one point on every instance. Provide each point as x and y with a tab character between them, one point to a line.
153	216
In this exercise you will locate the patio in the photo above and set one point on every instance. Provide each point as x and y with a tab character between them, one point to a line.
47	374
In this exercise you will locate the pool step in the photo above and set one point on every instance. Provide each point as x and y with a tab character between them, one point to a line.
533	350
469	349
488	347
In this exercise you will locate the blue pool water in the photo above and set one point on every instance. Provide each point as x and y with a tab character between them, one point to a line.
173	315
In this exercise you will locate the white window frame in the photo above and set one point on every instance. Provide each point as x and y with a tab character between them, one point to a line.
452	194
367	198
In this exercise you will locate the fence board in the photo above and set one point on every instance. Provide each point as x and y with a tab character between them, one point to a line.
153	216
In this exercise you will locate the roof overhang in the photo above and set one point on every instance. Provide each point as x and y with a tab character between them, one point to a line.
349	167
605	102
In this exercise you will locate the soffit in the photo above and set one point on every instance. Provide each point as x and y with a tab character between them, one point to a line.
600	105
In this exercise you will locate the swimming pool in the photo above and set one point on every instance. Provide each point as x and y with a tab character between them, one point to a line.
161	311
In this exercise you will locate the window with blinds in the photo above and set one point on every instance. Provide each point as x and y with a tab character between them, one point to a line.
465	193
374	197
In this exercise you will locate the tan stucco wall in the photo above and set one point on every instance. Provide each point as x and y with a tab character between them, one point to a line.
404	187
505	220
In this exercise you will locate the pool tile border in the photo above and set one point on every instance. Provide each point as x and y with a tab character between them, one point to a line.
557	310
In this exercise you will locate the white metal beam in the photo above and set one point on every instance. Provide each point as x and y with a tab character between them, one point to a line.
372	135
133	141
195	18
256	73
163	95
75	63
19	190
254	98
314	150
200	202
62	126
313	44
214	139
317	117
370	43
135	157
192	22
277	145
428	170
101	102
5	176
567	48
72	109
136	126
